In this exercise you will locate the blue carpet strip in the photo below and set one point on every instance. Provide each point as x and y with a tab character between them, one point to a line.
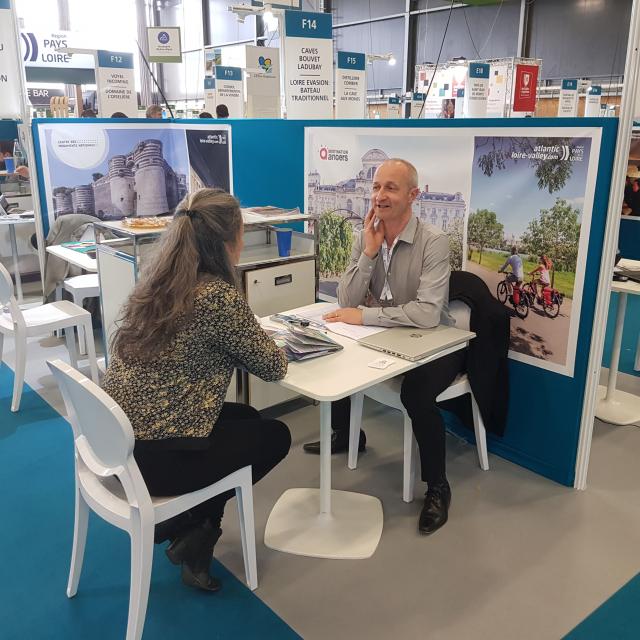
618	618
36	474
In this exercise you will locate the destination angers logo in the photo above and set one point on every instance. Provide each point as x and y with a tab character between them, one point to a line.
339	155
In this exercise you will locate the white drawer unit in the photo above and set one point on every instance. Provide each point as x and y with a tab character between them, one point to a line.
271	290
274	289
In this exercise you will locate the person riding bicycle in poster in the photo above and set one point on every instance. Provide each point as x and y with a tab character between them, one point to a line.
543	280
516	276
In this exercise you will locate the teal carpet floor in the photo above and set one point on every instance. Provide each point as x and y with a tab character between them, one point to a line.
36	476
618	618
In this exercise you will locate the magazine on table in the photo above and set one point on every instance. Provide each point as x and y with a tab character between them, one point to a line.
302	342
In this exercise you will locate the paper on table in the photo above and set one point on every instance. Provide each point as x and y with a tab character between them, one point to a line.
353	331
630	265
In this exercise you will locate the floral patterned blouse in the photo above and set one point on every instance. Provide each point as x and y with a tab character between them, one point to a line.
179	392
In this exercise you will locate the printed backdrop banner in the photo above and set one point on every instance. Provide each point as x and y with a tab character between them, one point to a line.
229	90
10	106
116	84
263	82
308	65
535	201
121	170
351	85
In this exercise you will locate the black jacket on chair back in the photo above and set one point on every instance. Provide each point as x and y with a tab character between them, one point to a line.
487	362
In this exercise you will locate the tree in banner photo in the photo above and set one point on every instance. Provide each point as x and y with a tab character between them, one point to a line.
527	237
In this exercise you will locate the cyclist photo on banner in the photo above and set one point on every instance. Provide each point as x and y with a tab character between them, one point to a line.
527	237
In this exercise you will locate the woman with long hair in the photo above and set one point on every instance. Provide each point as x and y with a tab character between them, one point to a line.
184	329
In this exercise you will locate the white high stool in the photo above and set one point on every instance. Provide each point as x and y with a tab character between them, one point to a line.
81	287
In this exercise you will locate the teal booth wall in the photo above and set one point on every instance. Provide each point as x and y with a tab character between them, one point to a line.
268	168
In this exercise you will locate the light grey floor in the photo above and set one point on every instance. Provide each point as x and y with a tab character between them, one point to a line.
521	556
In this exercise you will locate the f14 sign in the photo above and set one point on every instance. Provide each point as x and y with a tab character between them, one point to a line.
308	65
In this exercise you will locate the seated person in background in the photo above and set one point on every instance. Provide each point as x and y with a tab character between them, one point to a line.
222	111
399	276
119	114
517	270
88	113
154	112
205	114
183	330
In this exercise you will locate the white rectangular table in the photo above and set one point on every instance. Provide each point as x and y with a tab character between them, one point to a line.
76	258
615	406
11	221
326	523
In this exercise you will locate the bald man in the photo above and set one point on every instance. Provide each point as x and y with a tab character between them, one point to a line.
399	276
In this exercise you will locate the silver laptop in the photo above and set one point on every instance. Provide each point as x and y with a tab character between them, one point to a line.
415	344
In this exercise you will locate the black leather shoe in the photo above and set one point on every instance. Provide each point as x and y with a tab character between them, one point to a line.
339	443
435	511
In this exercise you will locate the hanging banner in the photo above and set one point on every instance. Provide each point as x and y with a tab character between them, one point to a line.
592	107
210	95
525	88
113	170
351	85
164	44
417	105
499	80
10	106
229	90
394	108
263	82
116	84
568	102
477	90
308	65
528	191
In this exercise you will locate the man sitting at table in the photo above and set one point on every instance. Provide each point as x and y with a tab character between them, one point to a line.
399	276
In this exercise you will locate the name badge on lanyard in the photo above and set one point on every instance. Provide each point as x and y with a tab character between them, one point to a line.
386	296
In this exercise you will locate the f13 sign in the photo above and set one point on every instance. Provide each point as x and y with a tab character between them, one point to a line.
308	65
229	90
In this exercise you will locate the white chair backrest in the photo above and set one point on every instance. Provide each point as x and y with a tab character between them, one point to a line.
461	313
102	432
7	299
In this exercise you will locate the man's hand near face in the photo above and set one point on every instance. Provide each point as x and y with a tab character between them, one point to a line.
348	315
373	235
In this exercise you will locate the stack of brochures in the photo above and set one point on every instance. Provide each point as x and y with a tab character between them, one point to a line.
302	342
81	246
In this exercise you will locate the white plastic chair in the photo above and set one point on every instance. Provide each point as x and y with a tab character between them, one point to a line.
40	321
388	393
109	482
81	287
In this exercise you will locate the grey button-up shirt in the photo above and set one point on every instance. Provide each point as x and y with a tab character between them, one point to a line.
418	277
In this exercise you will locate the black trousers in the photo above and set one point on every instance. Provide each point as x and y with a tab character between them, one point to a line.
240	438
420	388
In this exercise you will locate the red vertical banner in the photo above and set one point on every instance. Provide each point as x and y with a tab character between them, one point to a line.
525	87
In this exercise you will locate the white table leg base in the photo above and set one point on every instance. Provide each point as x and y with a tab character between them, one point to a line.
621	407
350	532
